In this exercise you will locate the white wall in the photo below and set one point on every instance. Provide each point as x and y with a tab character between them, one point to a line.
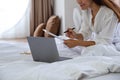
64	9
59	9
69	6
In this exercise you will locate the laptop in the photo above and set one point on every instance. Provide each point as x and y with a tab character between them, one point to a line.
44	49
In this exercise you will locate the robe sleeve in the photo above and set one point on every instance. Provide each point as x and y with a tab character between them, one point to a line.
85	27
85	31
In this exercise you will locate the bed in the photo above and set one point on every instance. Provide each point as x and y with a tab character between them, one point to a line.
17	64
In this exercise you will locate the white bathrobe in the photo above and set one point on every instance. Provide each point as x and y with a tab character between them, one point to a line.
102	32
105	24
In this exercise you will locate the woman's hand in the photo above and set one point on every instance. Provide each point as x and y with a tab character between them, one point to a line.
70	33
71	43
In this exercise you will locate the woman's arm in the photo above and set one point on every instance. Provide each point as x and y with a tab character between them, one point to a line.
86	43
73	43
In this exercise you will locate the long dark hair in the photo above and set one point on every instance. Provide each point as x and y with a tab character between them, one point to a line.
110	4
99	2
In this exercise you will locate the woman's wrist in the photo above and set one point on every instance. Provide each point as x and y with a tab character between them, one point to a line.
86	43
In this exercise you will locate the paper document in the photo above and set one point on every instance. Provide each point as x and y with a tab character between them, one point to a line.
52	34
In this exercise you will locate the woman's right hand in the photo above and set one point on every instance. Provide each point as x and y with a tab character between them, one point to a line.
70	33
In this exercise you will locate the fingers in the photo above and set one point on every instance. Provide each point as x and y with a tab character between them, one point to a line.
68	43
70	33
69	30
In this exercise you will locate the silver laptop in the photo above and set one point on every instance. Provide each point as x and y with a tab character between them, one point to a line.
44	49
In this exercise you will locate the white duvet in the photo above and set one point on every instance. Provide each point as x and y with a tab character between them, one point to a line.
75	69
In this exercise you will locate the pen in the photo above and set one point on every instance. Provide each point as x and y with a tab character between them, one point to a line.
68	30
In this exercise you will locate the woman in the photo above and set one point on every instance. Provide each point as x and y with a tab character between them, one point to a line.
99	17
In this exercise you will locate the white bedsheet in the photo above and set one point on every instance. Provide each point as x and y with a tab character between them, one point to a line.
78	68
10	52
111	76
16	66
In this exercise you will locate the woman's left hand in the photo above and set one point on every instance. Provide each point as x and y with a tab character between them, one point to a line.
71	43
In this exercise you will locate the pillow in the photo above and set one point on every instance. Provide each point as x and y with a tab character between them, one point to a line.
39	32
53	25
